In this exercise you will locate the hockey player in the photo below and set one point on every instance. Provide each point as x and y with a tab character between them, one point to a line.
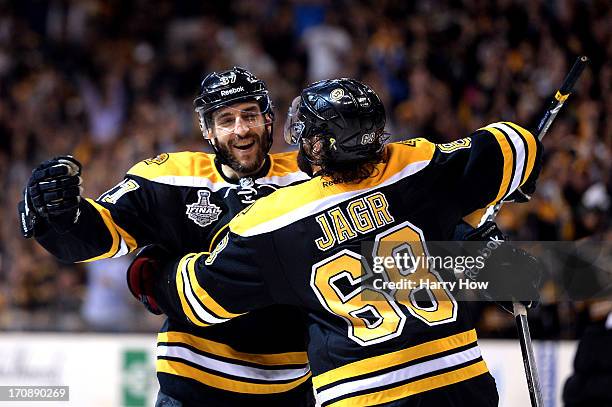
302	246
182	201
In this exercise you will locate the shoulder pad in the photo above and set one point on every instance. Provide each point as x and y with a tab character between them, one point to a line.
283	170
284	162
187	163
413	142
413	150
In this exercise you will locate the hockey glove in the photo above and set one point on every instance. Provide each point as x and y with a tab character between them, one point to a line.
142	275
27	216
512	273
53	193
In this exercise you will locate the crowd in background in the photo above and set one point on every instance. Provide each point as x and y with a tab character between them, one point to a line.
112	82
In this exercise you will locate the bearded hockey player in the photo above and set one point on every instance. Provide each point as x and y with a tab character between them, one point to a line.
182	202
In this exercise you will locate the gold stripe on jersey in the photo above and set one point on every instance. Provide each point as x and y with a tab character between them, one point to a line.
508	165
283	163
186	163
474	218
179	288
202	294
315	194
194	168
223	383
387	360
213	241
531	148
117	233
220	349
412	388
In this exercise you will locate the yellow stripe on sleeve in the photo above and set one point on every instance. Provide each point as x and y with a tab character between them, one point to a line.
508	161
532	149
213	241
180	287
387	360
184	370
220	349
116	232
474	218
203	295
129	240
419	386
110	225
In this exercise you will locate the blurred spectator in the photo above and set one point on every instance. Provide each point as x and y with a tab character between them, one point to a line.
104	107
328	46
590	383
107	302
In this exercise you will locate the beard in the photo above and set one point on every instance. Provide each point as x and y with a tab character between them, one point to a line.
303	163
243	167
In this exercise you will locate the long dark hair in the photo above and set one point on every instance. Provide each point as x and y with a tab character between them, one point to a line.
353	171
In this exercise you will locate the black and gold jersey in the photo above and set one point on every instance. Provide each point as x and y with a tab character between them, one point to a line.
183	202
304	246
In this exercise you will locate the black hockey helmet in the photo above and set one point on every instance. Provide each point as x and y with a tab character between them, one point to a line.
346	112
221	89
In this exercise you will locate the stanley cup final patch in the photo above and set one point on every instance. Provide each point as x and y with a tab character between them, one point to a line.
203	213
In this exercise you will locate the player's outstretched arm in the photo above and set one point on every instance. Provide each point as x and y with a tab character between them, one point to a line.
200	288
490	166
74	228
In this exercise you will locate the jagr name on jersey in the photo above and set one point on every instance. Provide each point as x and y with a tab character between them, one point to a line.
366	214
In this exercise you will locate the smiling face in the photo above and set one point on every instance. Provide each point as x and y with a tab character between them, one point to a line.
240	135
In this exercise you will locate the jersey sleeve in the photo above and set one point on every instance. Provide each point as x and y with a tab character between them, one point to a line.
115	224
207	289
490	164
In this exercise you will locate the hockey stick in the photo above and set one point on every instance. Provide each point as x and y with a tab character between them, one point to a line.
520	312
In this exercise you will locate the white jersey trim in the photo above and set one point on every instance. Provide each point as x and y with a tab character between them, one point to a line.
191	181
327	202
123	248
201	182
246	372
200	311
283	180
399	375
519	160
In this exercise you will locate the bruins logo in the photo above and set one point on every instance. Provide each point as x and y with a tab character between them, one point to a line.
455	145
159	160
336	94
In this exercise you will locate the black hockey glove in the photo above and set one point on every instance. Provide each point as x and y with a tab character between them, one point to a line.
512	273
143	273
53	193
